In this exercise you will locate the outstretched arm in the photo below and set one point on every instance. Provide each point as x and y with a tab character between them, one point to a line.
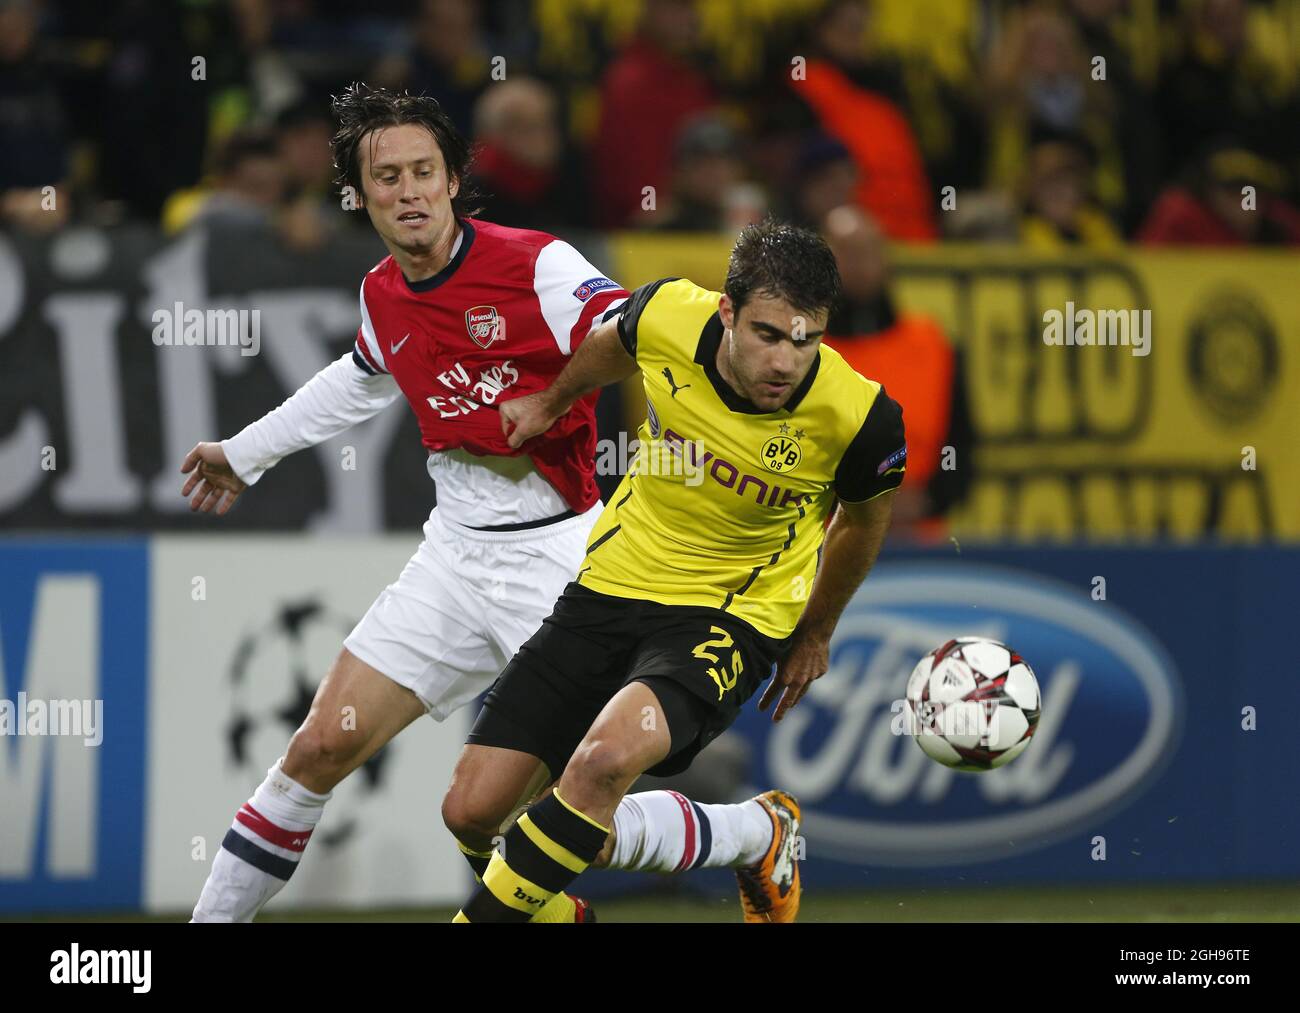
331	402
600	360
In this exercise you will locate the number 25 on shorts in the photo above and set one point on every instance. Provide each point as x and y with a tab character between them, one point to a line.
725	680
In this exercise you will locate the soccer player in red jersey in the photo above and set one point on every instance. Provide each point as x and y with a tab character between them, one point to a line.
461	314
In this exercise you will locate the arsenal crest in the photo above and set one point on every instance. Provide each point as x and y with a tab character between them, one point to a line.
485	325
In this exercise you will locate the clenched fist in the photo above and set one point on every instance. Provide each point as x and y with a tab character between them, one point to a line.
529	416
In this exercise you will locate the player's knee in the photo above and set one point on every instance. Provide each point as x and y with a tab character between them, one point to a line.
321	753
604	764
469	821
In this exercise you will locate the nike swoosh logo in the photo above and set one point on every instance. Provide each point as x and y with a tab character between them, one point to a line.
398	347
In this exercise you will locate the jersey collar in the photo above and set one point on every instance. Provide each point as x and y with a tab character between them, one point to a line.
459	253
706	355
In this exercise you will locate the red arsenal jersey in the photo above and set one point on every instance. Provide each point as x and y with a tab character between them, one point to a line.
498	322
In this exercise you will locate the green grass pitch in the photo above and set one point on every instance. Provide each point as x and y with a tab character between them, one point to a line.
1198	903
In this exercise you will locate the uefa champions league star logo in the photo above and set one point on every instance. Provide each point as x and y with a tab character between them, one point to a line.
273	677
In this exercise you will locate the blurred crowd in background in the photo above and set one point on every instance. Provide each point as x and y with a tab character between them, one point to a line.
1075	123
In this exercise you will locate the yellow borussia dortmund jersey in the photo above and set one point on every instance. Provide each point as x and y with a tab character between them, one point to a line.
725	505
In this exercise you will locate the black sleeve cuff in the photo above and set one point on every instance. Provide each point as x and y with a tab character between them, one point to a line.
877	457
362	365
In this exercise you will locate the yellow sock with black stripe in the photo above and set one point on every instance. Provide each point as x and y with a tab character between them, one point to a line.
478	860
544	852
559	910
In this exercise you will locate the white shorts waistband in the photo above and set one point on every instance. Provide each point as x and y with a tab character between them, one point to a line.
582	520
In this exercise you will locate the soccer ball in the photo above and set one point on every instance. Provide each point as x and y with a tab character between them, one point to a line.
972	704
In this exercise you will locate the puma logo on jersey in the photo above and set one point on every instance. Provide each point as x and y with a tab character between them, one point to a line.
668	375
398	347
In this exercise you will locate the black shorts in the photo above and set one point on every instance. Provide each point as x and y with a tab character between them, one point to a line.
701	663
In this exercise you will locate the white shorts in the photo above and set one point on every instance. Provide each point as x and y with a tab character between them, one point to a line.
465	603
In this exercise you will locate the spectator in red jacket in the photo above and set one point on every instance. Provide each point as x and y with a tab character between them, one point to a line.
893	185
647	93
521	163
1215	208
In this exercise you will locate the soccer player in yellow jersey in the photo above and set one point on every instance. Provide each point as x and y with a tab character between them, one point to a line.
712	570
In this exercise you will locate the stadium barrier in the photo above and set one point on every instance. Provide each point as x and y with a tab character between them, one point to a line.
1163	692
205	653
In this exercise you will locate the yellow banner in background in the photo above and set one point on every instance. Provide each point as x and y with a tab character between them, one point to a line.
1198	438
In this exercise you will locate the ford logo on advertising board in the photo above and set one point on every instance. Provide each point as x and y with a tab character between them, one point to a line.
1111	717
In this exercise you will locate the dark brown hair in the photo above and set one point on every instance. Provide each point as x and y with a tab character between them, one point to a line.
783	261
361	109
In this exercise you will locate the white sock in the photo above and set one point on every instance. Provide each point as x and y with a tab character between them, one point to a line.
662	831
261	849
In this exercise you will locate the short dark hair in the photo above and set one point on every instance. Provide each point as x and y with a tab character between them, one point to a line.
361	109
783	261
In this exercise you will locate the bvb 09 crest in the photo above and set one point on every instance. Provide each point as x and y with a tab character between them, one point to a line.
781	453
